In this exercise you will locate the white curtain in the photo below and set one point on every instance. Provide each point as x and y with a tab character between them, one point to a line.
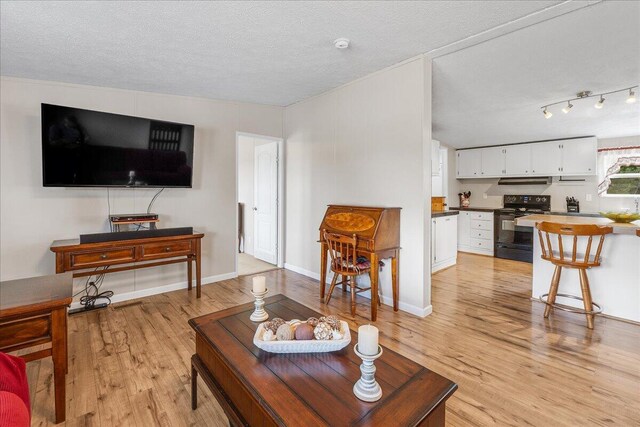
608	159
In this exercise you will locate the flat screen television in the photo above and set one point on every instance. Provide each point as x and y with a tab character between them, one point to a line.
84	148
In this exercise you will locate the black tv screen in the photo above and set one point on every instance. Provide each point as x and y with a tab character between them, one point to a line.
84	148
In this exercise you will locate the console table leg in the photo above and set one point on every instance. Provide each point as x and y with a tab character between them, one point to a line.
194	387
189	272
198	267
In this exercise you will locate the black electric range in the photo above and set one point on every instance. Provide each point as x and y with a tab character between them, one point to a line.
513	241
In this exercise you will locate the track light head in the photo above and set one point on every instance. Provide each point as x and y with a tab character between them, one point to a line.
547	113
632	97
600	103
568	107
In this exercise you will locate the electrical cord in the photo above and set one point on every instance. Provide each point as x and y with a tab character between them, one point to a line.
154	199
92	290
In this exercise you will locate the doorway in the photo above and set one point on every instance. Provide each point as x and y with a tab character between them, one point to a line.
258	193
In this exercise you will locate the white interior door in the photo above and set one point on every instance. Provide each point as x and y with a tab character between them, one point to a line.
265	218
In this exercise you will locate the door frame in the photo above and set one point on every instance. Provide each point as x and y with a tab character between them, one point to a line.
280	197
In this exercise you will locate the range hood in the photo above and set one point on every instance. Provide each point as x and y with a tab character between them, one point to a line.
526	180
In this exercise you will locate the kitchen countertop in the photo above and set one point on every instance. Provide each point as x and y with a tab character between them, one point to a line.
618	228
436	214
471	208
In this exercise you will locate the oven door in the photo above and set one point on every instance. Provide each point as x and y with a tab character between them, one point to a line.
512	235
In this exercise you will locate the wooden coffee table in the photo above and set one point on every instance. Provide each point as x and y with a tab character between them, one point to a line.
308	389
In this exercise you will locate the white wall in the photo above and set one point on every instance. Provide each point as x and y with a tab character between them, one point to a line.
557	190
363	144
31	216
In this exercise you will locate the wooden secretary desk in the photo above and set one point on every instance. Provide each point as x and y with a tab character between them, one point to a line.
378	231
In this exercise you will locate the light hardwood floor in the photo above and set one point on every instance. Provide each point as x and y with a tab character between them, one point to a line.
129	364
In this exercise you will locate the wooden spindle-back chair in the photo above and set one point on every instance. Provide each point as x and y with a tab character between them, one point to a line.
344	262
554	249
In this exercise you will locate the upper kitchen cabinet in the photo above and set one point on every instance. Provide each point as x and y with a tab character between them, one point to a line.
493	162
546	158
579	156
468	163
517	160
569	157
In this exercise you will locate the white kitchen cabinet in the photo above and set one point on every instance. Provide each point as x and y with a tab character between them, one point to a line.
568	157
476	232
493	162
444	242
464	224
579	156
546	158
469	163
517	160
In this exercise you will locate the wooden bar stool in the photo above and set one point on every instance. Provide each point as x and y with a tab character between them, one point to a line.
344	262
572	259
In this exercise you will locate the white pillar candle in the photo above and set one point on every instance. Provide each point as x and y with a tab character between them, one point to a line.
259	284
368	340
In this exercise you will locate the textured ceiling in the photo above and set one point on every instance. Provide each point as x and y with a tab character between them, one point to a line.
492	93
266	52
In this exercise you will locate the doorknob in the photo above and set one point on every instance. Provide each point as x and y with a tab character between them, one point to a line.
255	209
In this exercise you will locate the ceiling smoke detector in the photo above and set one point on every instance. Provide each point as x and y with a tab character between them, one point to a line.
341	43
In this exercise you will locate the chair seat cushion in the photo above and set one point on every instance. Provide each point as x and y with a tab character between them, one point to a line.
360	265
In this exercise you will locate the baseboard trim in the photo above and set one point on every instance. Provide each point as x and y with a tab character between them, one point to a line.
386	300
304	272
162	289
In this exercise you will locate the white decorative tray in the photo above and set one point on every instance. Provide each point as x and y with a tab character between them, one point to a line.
300	346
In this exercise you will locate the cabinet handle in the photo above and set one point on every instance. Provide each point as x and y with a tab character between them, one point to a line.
103	256
167	249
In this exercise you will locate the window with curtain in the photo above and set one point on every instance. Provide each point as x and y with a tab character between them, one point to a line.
619	172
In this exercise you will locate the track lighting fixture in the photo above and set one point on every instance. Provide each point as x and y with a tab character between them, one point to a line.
588	94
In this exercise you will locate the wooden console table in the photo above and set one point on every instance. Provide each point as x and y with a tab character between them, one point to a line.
257	388
34	312
133	254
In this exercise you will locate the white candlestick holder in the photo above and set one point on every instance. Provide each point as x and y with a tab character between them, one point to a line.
367	388
259	314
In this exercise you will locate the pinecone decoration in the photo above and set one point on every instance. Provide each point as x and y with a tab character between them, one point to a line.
332	321
323	331
268	326
276	323
313	321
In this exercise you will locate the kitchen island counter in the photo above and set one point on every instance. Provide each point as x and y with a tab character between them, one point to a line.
615	284
618	227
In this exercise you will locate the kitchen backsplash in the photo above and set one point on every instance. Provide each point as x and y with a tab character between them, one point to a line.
557	190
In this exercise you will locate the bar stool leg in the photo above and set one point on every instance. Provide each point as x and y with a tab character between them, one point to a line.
586	296
553	291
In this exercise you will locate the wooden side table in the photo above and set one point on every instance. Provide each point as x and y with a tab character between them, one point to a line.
34	312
